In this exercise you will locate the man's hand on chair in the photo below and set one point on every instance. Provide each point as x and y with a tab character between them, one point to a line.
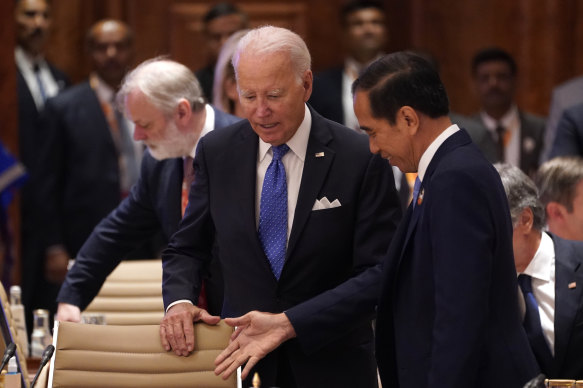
177	329
68	313
256	335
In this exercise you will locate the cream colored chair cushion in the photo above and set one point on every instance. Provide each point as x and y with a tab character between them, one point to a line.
12	332
131	294
132	356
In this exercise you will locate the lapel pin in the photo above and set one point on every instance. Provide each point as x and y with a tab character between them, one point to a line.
420	197
319	154
572	285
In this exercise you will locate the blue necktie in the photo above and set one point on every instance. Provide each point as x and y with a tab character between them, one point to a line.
416	188
36	70
532	324
273	211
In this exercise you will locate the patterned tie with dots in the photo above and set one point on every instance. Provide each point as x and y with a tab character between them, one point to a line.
273	212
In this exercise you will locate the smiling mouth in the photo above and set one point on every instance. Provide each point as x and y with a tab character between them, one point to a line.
267	126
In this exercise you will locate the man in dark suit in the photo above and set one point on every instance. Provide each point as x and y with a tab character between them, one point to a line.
448	311
569	136
171	131
37	80
88	159
517	136
551	270
299	235
220	22
560	184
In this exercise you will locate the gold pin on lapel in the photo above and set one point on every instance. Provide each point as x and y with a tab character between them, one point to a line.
420	197
319	154
572	285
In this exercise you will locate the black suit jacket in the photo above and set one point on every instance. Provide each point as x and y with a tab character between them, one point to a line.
448	312
330	278
154	205
569	137
568	359
326	96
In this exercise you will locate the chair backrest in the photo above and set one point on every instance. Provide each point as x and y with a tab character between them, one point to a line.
132	356
8	335
131	294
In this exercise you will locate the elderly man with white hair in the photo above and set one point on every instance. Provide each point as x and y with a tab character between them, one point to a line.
302	214
164	100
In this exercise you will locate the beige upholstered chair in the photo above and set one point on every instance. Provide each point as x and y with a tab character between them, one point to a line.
131	294
132	356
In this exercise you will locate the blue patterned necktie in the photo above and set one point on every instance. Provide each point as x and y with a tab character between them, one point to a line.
273	211
416	188
532	324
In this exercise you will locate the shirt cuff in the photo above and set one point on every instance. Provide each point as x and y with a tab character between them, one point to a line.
178	301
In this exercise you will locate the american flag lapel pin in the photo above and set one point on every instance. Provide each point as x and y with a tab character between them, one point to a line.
572	285
319	154
420	197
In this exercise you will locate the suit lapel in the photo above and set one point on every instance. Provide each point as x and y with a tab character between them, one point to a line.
313	176
567	300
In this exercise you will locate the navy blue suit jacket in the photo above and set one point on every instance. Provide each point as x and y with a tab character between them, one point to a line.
569	137
568	359
448	313
326	96
154	205
330	278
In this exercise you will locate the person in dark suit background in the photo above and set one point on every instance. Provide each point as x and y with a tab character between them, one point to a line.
220	22
300	235
516	135
37	80
569	133
560	184
550	270
448	310
88	159
165	101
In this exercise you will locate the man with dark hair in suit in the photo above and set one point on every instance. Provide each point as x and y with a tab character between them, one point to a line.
515	135
550	271
88	160
220	22
301	214
568	140
37	80
448	310
165	101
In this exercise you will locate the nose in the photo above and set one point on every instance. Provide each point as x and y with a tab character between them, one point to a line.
263	109
139	133
372	145
40	19
111	50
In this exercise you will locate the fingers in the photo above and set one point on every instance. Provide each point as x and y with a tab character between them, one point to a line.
207	318
230	349
250	364
231	363
239	321
165	343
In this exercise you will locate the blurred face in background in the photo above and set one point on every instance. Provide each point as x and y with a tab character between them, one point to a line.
111	51
495	85
366	33
218	30
32	25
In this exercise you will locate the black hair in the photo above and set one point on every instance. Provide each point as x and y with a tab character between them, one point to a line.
222	9
357	5
403	79
493	54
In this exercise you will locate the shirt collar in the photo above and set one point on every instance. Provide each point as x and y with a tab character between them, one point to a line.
506	121
209	125
104	92
25	60
432	149
541	265
298	144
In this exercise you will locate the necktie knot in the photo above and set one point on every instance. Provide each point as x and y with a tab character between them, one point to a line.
279	151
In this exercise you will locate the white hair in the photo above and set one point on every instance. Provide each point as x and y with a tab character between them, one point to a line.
270	39
164	82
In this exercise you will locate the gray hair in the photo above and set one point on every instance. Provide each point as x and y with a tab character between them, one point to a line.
270	39
557	180
164	82
521	193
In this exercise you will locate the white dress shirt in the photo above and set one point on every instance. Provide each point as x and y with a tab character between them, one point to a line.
26	65
511	122
542	270
432	149
293	161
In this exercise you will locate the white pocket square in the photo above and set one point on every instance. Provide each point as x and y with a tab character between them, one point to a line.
324	203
